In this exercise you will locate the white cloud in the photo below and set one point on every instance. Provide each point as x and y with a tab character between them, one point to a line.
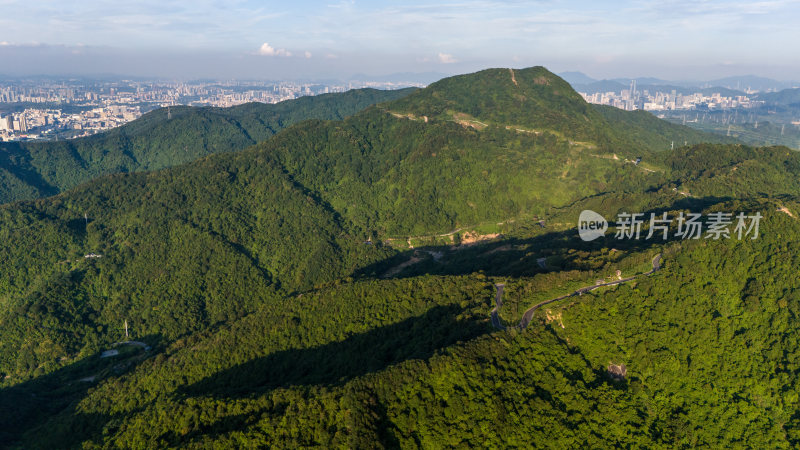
30	44
446	58
268	50
331	56
307	54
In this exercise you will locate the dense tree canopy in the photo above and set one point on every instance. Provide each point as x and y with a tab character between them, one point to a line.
163	139
332	286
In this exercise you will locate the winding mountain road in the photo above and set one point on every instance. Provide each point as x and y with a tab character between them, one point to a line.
528	315
498	300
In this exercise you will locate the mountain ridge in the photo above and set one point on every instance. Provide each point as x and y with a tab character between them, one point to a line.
163	138
278	314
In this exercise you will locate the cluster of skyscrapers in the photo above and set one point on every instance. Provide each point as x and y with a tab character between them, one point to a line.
655	99
60	108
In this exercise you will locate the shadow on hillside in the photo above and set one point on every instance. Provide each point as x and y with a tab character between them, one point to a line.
337	362
15	160
30	405
522	257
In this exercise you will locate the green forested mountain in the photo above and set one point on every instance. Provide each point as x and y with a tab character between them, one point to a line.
405	167
650	132
164	138
536	100
763	129
735	170
182	249
398	176
414	362
532	99
333	285
786	97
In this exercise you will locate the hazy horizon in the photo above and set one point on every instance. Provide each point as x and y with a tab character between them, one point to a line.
399	76
676	40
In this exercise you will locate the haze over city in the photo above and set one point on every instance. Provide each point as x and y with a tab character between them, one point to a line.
676	40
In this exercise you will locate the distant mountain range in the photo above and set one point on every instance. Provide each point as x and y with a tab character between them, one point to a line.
786	97
731	85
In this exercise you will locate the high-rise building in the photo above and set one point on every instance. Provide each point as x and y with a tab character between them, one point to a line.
630	104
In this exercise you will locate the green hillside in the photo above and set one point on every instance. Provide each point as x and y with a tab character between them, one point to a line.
182	250
415	363
536	100
652	133
400	177
786	97
761	132
333	287
408	168
531	99
164	138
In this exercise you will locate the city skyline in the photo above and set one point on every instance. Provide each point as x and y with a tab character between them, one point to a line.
41	108
677	40
35	109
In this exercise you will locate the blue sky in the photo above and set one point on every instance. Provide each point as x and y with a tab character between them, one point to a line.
673	39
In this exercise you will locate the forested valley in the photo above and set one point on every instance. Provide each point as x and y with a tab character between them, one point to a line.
333	285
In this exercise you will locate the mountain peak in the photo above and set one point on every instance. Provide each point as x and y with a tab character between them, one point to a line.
533	99
576	78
